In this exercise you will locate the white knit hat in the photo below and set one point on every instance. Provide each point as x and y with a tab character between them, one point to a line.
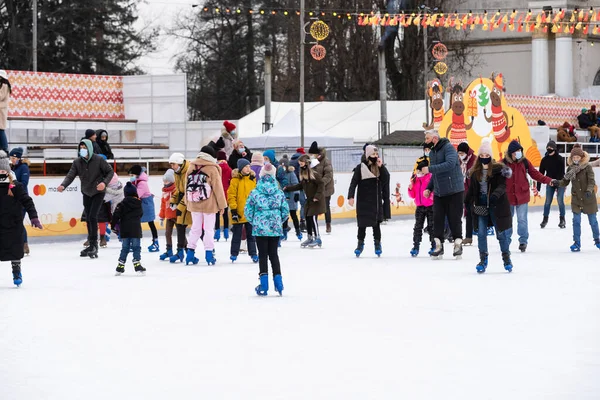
485	147
268	169
177	158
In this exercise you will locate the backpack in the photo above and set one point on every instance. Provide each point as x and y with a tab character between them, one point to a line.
197	188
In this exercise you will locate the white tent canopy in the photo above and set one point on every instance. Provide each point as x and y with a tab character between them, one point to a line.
356	120
287	134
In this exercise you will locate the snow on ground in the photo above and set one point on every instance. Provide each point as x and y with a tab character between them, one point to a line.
346	328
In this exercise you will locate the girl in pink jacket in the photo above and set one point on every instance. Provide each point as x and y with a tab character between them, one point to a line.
418	184
139	178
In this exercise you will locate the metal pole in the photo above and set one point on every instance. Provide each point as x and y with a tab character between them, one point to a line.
383	93
425	74
34	38
302	39
268	78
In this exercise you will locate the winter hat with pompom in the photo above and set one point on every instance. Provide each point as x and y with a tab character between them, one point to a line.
268	169
257	158
485	147
130	190
577	151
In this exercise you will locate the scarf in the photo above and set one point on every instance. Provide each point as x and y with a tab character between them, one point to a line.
574	170
463	165
207	157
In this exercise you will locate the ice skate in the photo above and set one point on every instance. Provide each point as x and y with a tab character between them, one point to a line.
278	283
254	259
299	234
414	251
562	224
26	249
359	248
438	252
316	242
483	263
167	254
576	247
544	222
458	250
233	259
120	268
597	243
468	242
523	247
179	256
210	257
306	242
328	227
91	251
137	266
507	262
190	257
263	288
103	242
217	236
226	234
154	247
302	225
16	272
378	249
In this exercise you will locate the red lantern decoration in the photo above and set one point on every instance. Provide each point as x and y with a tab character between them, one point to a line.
318	52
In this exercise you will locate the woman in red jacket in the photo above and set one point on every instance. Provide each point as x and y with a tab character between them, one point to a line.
518	187
467	158
226	178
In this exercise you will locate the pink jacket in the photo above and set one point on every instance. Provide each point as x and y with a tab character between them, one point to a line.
418	187
142	186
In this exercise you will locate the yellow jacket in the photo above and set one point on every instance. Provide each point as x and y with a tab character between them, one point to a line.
239	191
179	194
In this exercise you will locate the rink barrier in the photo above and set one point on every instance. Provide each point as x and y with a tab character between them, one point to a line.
61	212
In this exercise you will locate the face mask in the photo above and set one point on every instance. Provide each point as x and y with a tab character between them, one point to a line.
373	159
241	150
550	151
486	161
575	162
83	153
518	155
427	153
463	157
4	178
314	162
133	178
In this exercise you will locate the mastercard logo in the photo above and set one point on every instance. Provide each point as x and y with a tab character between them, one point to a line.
39	190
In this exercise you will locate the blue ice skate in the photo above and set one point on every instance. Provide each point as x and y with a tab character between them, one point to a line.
226	233
299	235
179	256
576	247
278	283
414	251
430	252
254	259
483	263
190	257
17	278
217	235
154	247
316	242
359	248
507	262
210	257
490	231
263	288
597	243
167	254
378	249
233	259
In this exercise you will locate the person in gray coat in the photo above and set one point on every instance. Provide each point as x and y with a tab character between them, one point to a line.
448	189
95	174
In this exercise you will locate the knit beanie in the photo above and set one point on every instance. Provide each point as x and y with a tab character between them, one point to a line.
552	145
577	151
314	148
463	147
89	133
268	169
370	150
270	154
221	156
513	147
16	152
130	190
169	176
258	159
135	170
4	163
300	150
485	147
209	150
242	162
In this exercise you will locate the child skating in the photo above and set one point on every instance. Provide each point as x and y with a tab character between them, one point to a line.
243	181
168	216
127	222
226	179
139	178
424	210
266	210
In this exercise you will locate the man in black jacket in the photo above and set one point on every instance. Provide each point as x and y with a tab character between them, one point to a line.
95	174
553	166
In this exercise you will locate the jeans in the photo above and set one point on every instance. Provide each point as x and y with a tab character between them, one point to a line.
577	226
133	244
236	240
91	206
522	228
502	237
560	197
3	141
302	204
267	250
202	222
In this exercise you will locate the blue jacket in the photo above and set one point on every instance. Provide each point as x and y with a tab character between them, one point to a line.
281	175
266	208
21	171
290	196
444	165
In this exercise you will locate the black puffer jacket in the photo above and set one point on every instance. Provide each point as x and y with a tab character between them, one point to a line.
11	220
553	167
235	156
103	144
128	217
373	198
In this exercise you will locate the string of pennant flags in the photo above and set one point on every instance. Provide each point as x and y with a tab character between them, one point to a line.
567	21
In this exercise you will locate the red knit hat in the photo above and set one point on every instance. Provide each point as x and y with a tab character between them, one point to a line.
229	126
300	150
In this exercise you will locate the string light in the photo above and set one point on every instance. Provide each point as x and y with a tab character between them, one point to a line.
319	30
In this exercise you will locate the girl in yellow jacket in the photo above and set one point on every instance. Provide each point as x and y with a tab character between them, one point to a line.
243	181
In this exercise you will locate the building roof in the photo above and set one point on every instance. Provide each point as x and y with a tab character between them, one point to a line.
402	138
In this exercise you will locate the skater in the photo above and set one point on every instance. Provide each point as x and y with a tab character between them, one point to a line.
5	92
239	151
168	216
204	198
517	189
266	210
325	170
94	174
424	210
258	161
447	184
243	181
373	198
139	178
292	200
103	144
114	196
13	200
314	188
489	204
302	197
20	167
91	135
467	160
180	165
425	157
226	179
280	176
553	166
127	222
583	194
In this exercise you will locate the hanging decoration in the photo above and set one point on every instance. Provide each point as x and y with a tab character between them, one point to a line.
440	68
319	30
439	51
318	52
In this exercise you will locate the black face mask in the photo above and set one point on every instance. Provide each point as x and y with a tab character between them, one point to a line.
4	178
485	161
550	151
373	159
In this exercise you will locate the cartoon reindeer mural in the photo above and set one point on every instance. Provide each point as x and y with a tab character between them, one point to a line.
499	117
435	91
457	131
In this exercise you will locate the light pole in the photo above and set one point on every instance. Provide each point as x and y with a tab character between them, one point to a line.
34	36
302	39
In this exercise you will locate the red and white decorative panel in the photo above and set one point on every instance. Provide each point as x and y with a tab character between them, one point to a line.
69	96
555	111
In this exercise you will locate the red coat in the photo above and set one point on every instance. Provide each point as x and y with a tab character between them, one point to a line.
517	186
466	165
165	210
225	175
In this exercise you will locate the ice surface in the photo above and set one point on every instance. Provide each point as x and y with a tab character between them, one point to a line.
346	328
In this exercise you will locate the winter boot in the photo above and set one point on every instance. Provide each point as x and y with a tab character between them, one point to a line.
467	242
562	224
378	249
523	247
263	288
597	243
507	262
458	250
210	257
179	256
576	247
359	248
438	252
414	251
226	233
483	263
302	225
120	268
217	235
254	259
278	283
299	234
154	247
103	243
544	222
16	271
190	257
307	241
167	254
316	242
26	249
137	266
328	227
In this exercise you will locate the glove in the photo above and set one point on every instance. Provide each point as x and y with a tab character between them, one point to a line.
296	198
35	222
173	206
493	200
234	216
555	183
588	195
162	222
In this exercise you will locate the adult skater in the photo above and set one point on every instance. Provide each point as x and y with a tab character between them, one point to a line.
105	148
553	166
489	204
517	189
180	165
325	169
467	160
5	92
239	151
302	197
95	174
373	199
447	185
21	169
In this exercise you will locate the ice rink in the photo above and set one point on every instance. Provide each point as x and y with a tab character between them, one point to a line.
346	328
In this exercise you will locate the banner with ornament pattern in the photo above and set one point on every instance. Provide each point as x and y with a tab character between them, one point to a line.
554	111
